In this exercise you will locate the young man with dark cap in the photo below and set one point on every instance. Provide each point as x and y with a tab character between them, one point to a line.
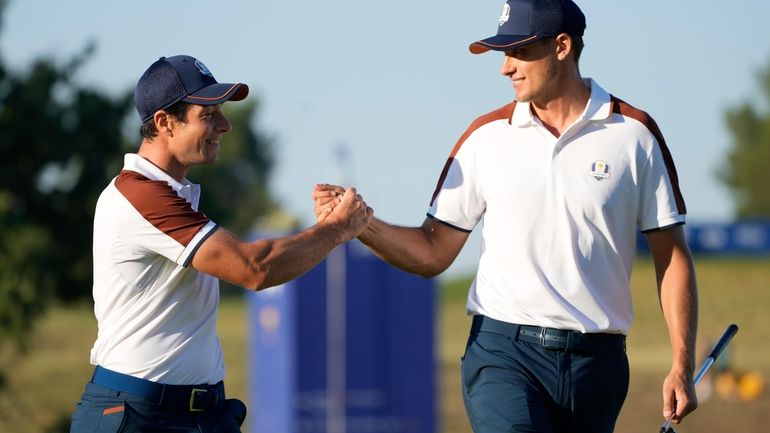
158	260
563	177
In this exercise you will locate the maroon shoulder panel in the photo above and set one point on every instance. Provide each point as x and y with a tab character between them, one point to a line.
624	109
161	206
504	112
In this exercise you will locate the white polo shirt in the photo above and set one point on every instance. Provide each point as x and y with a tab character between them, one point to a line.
560	214
157	316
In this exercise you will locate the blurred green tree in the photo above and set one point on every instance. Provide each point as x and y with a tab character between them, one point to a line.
745	170
65	142
62	143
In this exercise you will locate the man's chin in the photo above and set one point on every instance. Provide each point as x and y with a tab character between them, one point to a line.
211	158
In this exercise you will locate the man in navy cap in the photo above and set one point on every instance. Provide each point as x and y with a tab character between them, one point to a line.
158	259
563	177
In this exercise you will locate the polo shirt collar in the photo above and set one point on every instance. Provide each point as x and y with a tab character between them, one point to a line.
186	189
599	107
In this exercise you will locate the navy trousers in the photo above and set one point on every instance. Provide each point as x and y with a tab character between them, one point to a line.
106	410
518	380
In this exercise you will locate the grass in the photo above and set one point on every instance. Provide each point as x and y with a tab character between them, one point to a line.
42	386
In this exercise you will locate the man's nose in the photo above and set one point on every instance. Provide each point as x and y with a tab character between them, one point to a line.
509	66
224	124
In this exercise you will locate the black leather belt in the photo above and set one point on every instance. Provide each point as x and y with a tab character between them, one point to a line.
195	398
553	339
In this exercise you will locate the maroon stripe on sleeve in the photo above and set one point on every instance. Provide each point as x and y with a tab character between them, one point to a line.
624	109
161	206
504	112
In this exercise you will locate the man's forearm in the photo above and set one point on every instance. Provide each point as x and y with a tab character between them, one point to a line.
406	248
283	259
679	301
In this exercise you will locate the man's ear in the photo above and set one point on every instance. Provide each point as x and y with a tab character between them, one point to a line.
563	46
164	122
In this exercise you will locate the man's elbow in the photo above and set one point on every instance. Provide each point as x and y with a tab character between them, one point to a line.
429	274
260	279
428	270
255	278
263	284
257	267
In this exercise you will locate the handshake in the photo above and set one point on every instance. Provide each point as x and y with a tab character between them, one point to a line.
342	207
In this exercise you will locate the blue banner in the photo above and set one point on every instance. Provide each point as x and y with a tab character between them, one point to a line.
346	348
751	237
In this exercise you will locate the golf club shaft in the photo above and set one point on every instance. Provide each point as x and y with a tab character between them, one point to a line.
703	370
718	348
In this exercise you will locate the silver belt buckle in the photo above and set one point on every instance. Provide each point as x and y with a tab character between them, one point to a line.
542	337
192	399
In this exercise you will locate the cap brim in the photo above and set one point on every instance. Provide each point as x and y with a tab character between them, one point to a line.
502	43
218	93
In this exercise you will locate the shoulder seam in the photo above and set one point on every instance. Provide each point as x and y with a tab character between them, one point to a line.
627	110
504	112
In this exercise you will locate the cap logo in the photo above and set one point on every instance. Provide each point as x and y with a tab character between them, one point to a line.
505	15
599	170
204	70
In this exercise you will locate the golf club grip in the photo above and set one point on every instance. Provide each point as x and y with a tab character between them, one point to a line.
723	340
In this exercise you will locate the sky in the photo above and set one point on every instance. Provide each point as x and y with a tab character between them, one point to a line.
375	95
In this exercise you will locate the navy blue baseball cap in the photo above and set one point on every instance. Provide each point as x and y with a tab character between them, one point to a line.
181	78
526	21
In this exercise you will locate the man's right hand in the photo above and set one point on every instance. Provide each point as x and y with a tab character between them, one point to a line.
345	209
326	197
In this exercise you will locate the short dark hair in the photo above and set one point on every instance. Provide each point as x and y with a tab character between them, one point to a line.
177	109
577	46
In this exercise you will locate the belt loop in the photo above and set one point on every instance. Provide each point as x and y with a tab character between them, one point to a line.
476	323
515	331
570	341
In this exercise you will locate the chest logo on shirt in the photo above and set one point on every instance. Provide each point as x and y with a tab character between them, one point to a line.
599	170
